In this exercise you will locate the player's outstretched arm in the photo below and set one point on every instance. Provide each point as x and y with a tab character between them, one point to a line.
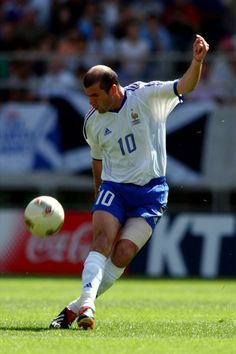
190	79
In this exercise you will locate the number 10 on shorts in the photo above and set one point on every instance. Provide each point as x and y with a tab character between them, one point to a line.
105	198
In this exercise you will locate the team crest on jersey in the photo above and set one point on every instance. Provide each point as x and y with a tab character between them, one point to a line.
135	118
107	131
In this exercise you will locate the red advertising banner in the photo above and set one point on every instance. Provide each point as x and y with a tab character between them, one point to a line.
185	244
64	253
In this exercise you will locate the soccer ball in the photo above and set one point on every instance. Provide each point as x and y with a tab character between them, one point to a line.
44	216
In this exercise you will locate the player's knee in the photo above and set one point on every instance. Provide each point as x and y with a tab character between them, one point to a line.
123	253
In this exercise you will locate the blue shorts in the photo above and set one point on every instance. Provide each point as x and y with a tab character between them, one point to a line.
130	200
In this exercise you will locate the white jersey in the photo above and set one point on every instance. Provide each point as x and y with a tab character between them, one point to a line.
131	141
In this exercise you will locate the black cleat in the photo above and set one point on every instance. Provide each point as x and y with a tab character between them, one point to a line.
63	320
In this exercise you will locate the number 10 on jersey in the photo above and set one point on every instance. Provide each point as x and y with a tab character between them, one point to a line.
127	144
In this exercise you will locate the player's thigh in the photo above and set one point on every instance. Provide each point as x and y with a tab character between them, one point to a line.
136	230
105	226
135	233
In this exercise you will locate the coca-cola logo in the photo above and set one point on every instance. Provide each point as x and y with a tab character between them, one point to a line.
66	246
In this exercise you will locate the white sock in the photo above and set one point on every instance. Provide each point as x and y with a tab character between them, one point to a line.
91	278
111	274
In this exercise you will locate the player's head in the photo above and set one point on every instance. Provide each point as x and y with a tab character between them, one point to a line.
102	75
101	86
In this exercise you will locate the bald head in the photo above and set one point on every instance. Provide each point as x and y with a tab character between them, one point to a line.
101	74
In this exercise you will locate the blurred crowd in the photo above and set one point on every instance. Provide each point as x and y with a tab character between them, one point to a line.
47	45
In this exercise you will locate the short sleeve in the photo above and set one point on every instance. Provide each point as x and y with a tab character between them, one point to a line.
95	150
162	97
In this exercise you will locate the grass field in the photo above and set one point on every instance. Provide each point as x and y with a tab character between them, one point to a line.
136	316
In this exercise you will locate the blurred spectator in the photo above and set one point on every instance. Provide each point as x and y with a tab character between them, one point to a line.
14	10
73	47
231	16
156	34
91	14
160	41
101	46
61	19
133	52
182	18
110	10
46	46
147	7
213	25
207	90
22	81
56	80
29	33
8	38
42	9
88	32
126	15
223	72
77	8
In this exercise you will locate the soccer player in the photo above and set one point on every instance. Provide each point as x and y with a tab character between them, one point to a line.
126	131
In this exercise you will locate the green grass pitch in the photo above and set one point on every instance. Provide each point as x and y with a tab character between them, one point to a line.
135	316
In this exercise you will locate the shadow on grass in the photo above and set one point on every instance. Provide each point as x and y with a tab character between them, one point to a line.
33	329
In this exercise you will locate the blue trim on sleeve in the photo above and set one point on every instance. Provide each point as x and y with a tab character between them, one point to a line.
86	118
181	99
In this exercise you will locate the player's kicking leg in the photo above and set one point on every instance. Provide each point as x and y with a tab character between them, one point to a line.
134	235
105	229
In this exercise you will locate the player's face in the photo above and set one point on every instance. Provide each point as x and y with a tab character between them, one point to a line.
100	99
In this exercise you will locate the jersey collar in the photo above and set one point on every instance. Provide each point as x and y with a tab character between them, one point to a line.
117	110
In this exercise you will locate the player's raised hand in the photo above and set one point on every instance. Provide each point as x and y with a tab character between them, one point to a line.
200	48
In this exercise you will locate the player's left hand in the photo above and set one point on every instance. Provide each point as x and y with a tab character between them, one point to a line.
200	48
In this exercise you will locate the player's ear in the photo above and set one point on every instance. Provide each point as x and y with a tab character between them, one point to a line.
113	89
